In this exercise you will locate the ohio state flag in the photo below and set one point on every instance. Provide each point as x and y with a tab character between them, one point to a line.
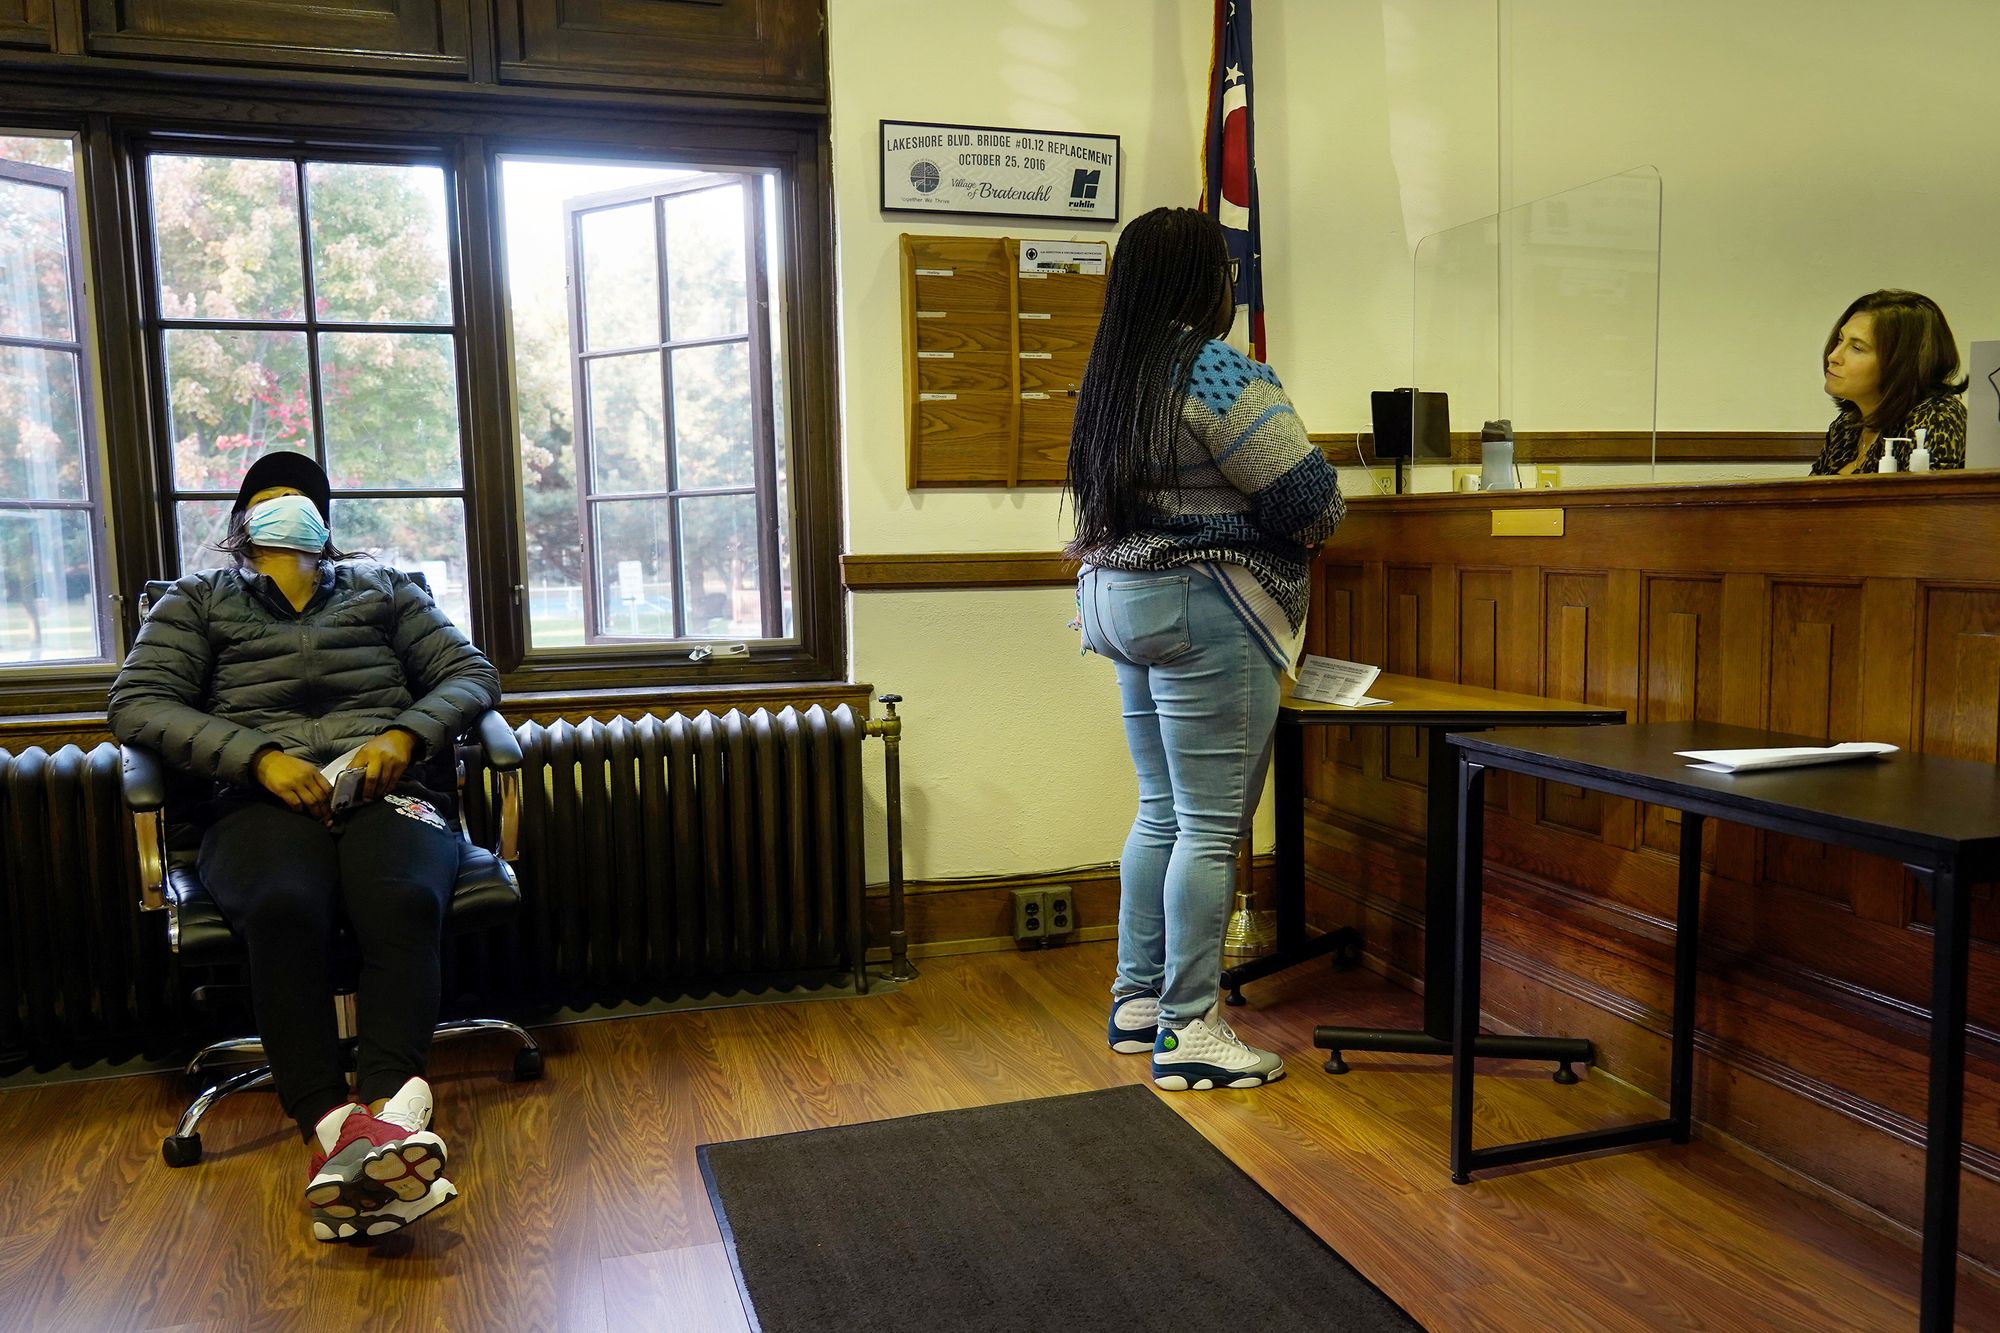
1229	170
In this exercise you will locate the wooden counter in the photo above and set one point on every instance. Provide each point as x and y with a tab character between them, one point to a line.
1864	609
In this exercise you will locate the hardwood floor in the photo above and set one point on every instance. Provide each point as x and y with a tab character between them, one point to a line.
583	1207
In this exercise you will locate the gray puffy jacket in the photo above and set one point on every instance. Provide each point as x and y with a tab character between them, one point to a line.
225	669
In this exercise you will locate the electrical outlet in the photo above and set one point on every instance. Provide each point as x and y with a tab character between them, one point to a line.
1030	914
1058	910
1465	478
1548	477
1385	483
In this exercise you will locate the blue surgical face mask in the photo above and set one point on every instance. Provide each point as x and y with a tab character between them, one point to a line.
288	521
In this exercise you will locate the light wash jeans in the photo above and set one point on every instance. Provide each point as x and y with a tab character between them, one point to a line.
1200	700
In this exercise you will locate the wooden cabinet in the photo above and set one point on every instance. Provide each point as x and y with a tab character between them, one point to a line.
29	23
773	49
431	37
992	358
1813	607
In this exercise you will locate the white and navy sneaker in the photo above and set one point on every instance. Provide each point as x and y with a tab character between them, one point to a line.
1208	1054
1135	1022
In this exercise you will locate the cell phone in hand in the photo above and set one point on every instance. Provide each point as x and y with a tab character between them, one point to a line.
347	790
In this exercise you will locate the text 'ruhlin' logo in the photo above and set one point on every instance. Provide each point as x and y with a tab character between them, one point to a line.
1083	189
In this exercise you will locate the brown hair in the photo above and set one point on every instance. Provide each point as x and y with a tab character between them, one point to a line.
1914	349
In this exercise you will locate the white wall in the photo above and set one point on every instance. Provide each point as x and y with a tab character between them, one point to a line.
1014	759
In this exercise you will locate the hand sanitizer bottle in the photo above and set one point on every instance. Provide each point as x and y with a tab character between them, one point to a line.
1888	463
1920	456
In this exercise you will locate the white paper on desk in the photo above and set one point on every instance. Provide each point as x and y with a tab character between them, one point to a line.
1328	680
1366	701
1797	756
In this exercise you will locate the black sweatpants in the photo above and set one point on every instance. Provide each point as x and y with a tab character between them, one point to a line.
281	879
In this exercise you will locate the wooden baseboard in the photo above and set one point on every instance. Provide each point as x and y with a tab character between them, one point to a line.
977	915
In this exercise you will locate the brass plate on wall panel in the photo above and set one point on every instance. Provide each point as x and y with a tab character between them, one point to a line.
1527	523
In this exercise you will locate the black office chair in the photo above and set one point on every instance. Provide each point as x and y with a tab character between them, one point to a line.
486	892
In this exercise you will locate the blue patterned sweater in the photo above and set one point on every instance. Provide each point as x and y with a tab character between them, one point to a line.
1256	498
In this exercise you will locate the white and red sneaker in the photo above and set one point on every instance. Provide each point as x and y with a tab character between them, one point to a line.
409	1167
391	1217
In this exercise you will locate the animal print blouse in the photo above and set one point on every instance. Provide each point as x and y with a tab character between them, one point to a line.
1942	415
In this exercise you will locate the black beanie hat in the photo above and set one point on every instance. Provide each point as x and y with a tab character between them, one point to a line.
285	467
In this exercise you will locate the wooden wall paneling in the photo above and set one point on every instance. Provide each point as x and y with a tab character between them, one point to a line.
428	37
1411	624
1591	655
1680	676
29	23
1338	632
1745	639
751	48
1959	709
1485	623
1815	680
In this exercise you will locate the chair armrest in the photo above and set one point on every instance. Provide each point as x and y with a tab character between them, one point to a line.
497	740
144	778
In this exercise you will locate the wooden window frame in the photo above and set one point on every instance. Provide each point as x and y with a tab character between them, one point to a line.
310	324
80	346
115	112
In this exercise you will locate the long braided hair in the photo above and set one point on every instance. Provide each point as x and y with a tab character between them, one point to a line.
1169	292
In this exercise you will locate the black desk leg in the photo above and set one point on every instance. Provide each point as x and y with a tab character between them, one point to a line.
1471	872
1949	949
1687	938
1294	945
1441	810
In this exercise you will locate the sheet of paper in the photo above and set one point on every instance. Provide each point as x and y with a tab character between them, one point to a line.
1367	701
1328	680
333	770
1800	756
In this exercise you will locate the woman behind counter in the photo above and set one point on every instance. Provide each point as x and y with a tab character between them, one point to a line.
1892	366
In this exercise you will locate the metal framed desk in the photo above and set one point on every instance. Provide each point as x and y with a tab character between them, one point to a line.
1940	817
1438	707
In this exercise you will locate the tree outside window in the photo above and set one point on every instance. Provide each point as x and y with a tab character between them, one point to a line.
305	303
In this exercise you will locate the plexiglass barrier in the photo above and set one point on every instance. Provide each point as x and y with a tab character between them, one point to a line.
1545	317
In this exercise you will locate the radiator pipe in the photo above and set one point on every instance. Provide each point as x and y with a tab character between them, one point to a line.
890	729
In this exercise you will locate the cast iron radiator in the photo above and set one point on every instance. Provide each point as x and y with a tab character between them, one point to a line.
676	855
82	976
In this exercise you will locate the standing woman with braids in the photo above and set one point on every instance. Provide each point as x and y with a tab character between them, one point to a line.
1199	505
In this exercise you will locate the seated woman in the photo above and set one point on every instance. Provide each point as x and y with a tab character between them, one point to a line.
256	677
1892	367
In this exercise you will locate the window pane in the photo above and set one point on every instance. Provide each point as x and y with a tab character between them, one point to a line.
774	268
34	259
621	276
41	429
705	279
719	565
48	586
391	409
227	231
628	441
418	536
712	428
200	525
380	245
232	395
635	569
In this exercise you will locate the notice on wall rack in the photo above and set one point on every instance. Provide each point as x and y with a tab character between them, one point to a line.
1039	257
